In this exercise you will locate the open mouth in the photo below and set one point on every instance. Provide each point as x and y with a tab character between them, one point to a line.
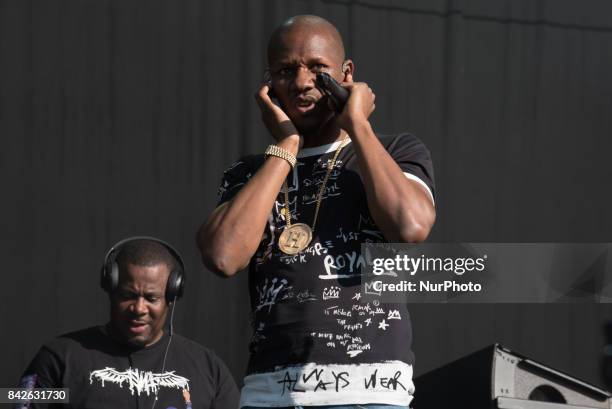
136	327
305	103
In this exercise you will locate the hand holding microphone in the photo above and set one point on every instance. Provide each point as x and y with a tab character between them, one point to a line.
337	95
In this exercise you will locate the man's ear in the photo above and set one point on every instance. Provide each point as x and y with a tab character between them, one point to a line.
348	68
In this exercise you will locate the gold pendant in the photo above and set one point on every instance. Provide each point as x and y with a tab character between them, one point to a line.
295	238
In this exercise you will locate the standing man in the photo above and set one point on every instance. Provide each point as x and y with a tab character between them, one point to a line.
132	361
297	215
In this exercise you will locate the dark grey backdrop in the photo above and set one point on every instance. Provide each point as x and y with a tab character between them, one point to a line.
118	117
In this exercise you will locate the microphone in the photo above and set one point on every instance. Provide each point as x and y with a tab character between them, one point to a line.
337	94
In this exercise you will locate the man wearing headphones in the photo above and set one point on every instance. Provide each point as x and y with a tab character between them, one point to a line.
133	361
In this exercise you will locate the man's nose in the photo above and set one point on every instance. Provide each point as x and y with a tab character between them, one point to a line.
304	79
140	306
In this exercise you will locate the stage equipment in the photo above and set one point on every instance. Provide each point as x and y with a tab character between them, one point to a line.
499	378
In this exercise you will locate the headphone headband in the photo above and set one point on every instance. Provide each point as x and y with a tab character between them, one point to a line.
109	278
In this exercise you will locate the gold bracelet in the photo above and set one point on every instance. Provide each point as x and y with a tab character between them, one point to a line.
275	150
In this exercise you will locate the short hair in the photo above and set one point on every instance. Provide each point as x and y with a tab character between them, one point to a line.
145	253
310	22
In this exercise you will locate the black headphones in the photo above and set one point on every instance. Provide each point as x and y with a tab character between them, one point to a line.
109	277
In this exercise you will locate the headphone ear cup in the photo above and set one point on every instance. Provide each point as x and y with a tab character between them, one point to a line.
175	286
109	277
114	277
103	278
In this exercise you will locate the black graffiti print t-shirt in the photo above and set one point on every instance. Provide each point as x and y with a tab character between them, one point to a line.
319	338
102	373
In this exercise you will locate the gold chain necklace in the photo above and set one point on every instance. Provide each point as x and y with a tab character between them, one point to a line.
296	237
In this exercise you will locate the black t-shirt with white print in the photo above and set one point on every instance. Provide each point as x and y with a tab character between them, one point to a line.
102	373
319	339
